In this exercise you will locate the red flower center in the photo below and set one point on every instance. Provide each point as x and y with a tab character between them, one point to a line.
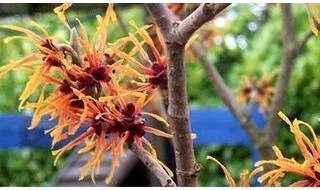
159	75
99	74
131	122
49	45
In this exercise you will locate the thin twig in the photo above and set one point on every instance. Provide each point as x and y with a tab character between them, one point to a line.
250	105
153	165
200	16
286	68
144	156
298	47
162	16
176	35
223	91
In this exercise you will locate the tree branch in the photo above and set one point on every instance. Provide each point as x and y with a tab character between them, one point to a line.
176	35
286	68
162	16
154	166
178	112
298	47
200	16
223	91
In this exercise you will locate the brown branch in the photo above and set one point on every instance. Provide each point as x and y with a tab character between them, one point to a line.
250	105
176	35
153	165
200	16
286	68
298	47
162	16
178	112
223	91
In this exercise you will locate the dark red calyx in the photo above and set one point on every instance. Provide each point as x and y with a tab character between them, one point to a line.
65	87
247	90
129	110
157	68
109	59
99	74
76	102
85	82
99	126
71	77
138	131
159	74
49	45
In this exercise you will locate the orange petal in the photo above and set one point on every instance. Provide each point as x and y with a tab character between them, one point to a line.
60	13
156	132
225	170
29	33
156	117
15	64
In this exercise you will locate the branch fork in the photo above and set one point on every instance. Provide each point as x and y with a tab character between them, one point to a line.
176	34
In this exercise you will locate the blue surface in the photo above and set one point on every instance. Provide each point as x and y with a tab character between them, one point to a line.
212	126
11	130
219	126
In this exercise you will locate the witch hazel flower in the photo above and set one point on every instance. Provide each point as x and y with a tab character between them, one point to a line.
89	95
308	169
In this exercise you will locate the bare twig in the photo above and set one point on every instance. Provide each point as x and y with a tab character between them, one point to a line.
298	47
250	105
178	113
176	35
200	16
154	166
263	139
223	91
286	67
162	16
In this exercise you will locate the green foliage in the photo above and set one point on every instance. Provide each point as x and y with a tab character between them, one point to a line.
261	54
26	167
252	45
234	158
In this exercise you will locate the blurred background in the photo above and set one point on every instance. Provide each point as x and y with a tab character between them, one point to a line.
243	41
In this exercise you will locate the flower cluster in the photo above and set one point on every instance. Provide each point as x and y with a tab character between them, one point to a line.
98	86
259	91
308	170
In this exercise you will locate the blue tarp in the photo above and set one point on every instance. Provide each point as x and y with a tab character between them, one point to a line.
211	125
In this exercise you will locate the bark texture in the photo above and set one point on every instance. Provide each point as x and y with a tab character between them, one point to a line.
176	34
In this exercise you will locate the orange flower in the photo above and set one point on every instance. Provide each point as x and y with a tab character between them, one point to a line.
257	91
313	10
111	125
89	79
154	71
308	170
245	176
